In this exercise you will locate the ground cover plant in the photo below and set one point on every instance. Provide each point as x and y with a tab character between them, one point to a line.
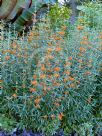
51	78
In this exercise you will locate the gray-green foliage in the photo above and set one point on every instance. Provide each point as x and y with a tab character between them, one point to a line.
91	13
6	123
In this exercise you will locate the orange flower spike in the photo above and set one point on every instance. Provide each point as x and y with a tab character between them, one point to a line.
80	60
32	90
67	64
34	82
87	73
57	38
14	45
37	101
85	38
43	67
7	57
56	69
100	37
56	75
84	42
80	27
66	92
42	76
34	76
67	72
1	81
50	57
49	49
61	33
14	95
70	58
71	79
82	49
60	116
58	49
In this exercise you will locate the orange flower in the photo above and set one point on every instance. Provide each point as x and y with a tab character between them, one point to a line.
42	76
100	36
32	89
43	67
82	49
37	101
49	50
61	32
60	116
58	49
50	56
14	45
56	75
30	38
85	38
1	81
67	72
70	58
34	82
13	52
87	73
14	95
80	27
56	69
65	80
67	64
80	60
56	84
71	78
34	76
7	57
57	38
84	42
66	92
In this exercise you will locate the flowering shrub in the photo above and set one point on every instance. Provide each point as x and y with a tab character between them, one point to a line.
59	15
90	15
48	81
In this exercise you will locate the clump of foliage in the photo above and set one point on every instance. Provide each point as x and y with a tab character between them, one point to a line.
59	15
48	81
91	14
6	123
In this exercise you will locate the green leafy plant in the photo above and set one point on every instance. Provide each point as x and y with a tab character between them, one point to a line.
7	124
59	15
